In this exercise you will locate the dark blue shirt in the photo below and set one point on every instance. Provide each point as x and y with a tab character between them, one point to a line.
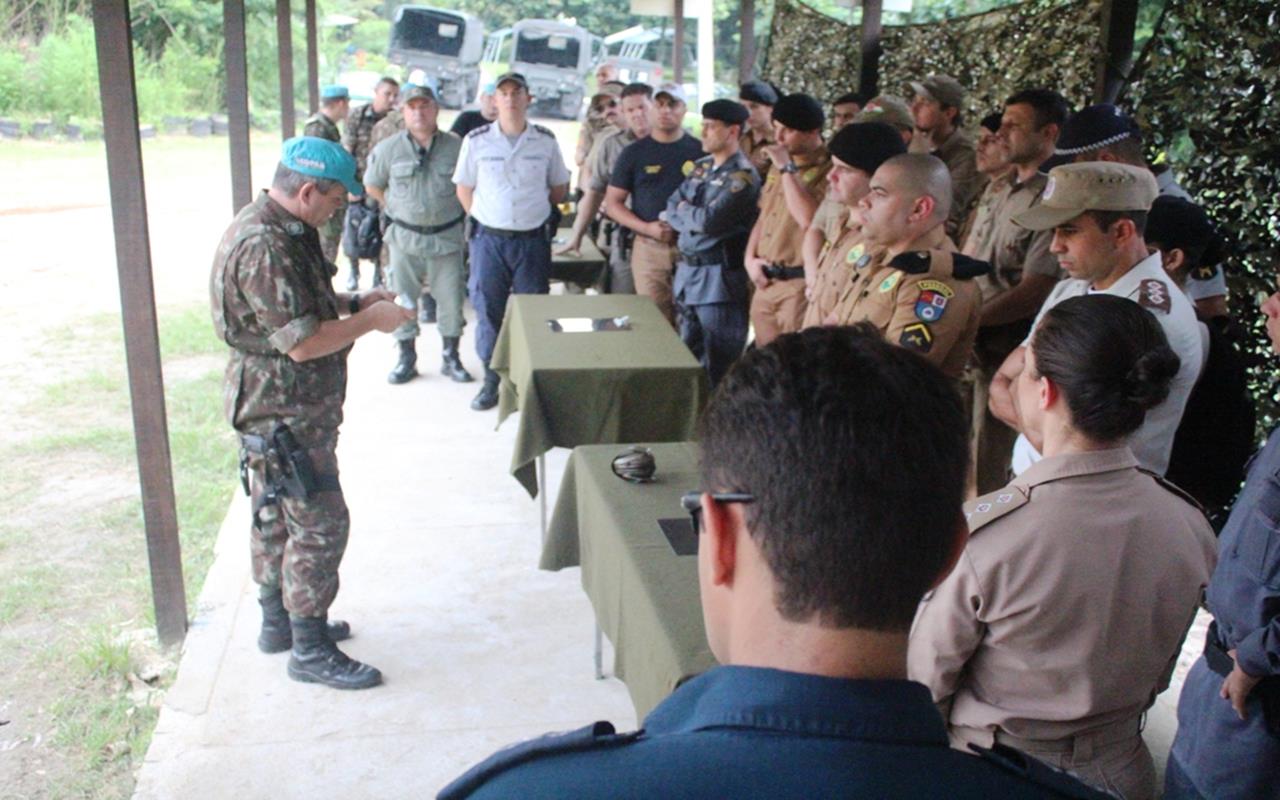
743	732
651	171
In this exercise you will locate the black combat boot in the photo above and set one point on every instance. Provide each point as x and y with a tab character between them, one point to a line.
276	636
353	279
426	309
452	366
316	659
488	395
377	275
407	367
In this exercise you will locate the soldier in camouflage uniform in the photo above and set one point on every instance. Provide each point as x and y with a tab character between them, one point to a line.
357	137
273	303
335	104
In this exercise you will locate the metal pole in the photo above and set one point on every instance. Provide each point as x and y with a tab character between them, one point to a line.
313	60
284	47
677	58
1119	23
869	81
747	41
138	310
237	93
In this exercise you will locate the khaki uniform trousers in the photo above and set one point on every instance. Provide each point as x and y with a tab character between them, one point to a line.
777	309
652	265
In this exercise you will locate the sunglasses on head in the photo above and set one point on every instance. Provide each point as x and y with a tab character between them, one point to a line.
692	502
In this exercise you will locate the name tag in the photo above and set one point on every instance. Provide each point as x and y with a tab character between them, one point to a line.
652	169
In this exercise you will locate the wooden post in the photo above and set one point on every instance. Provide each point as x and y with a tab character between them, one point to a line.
138	310
313	59
869	81
677	58
1119	22
284	47
747	41
237	93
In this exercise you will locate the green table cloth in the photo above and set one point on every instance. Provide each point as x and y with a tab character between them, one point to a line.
571	389
645	596
582	269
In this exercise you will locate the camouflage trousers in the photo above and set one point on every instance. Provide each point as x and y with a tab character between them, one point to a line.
297	543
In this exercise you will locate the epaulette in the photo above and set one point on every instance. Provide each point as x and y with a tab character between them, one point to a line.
1058	782
940	262
1155	295
482	129
966	268
547	131
917	262
991	507
592	737
1174	488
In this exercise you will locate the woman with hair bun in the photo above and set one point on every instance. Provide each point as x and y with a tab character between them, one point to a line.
1065	615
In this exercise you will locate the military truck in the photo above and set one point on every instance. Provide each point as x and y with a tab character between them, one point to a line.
445	45
554	57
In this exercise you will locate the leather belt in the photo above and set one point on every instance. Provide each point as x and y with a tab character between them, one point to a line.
532	233
426	230
1082	746
705	258
777	272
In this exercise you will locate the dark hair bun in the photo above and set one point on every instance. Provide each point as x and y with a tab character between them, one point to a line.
1147	384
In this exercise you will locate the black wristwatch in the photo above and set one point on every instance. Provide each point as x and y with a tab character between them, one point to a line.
789	168
353	304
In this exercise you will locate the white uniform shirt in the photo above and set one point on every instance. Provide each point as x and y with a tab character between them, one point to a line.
511	182
1153	442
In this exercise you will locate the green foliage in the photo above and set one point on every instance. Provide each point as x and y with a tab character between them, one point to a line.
13	82
1209	95
67	79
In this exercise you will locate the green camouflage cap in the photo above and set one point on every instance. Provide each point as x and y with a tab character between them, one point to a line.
943	88
1092	186
321	158
887	109
415	92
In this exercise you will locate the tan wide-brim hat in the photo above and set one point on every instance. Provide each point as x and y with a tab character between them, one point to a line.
1092	186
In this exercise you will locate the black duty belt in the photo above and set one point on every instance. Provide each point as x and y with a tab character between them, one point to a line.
426	230
1218	659
705	258
777	272
532	233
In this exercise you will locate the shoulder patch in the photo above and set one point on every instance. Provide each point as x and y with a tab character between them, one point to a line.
913	263
1017	763
991	507
547	131
932	301
1154	294
965	268
597	736
1205	273
479	131
917	336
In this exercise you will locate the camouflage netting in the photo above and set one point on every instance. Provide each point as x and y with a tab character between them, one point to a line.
1209	94
1037	43
811	52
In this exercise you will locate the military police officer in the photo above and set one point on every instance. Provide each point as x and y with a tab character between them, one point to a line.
711	213
335	103
509	176
289	333
411	176
936	110
759	98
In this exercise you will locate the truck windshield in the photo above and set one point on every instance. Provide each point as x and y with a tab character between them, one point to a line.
431	31
554	49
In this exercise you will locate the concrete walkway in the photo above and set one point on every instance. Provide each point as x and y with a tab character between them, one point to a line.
479	648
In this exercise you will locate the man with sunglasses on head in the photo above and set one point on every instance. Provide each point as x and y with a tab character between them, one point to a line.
814	549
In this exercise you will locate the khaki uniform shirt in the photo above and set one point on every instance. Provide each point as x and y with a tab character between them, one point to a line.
835	267
931	311
753	148
1067	610
830	217
781	238
269	290
958	153
592	131
1011	250
418	185
604	154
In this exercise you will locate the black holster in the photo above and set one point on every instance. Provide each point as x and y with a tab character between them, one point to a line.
287	469
1220	661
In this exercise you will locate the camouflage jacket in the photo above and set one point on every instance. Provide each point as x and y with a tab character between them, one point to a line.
319	125
389	125
270	289
357	134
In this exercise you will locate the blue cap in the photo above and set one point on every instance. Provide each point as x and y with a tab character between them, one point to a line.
489	88
321	158
335	92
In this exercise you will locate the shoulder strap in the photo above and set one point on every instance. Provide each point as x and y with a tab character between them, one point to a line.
991	507
1057	782
547	131
1174	488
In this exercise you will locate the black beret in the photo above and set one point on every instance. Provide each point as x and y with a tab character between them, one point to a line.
726	111
1177	223
799	112
866	145
1095	127
758	92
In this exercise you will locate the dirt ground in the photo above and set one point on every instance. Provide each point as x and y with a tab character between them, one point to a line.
69	524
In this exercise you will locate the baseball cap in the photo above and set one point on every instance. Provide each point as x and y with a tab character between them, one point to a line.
799	112
334	92
888	109
726	111
758	92
673	90
321	158
943	88
1095	127
511	76
866	145
1092	186
416	92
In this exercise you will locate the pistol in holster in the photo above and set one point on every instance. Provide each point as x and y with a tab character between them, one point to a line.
286	467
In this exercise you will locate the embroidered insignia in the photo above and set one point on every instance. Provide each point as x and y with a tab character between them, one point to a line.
888	283
941	288
1154	294
918	337
931	305
293	228
1004	498
686	168
652	169
857	254
1205	273
982	508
